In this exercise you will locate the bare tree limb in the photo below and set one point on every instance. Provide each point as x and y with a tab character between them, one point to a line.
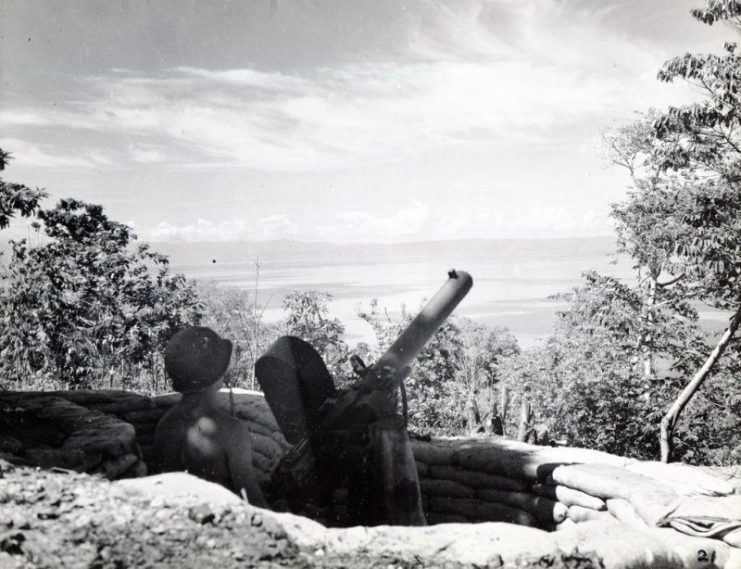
669	421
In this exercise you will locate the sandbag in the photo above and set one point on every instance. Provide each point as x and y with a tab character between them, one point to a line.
266	445
115	467
569	496
433	487
625	513
470	508
105	435
143	428
256	427
477	479
522	461
579	514
138	470
86	397
144	416
62	458
651	500
564	525
167	401
422	468
440	452
124	405
544	509
603	481
433	519
519	462
263	463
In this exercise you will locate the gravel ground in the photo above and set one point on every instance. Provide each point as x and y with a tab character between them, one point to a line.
53	519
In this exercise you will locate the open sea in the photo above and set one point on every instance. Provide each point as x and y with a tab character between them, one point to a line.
512	279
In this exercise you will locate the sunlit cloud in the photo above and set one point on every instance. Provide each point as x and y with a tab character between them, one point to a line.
268	228
542	221
363	226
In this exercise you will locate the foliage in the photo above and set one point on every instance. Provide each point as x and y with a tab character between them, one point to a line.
87	304
16	197
704	148
460	359
681	217
709	430
586	384
308	318
233	314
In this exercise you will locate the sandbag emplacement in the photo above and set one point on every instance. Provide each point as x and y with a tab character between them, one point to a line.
576	494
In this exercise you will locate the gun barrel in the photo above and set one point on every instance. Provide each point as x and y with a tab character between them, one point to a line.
411	341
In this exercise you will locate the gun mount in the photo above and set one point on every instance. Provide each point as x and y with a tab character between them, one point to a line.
352	439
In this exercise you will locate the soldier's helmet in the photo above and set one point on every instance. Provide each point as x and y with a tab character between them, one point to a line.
196	357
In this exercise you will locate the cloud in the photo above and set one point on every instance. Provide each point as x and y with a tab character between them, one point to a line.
361	226
472	73
272	227
541	221
37	156
410	223
275	227
149	154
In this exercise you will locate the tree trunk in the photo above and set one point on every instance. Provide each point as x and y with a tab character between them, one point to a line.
648	350
503	400
524	420
669	421
473	418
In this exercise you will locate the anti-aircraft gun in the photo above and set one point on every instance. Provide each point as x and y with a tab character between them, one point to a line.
351	445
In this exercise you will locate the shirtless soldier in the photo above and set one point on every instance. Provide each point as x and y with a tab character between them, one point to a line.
195	435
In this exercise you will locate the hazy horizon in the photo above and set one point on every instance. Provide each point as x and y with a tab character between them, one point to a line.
513	278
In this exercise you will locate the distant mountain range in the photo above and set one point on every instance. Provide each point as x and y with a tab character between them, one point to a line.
181	253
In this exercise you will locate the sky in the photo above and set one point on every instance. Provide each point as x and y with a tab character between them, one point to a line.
336	120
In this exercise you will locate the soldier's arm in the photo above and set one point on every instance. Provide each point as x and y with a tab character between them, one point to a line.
241	469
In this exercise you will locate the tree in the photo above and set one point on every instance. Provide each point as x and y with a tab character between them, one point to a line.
88	305
702	146
484	349
233	314
16	197
647	228
586	385
435	402
461	358
308	319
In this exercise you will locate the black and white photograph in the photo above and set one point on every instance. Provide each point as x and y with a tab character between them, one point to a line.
370	284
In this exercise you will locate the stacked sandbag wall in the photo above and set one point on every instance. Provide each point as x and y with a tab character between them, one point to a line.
462	479
72	430
492	479
112	432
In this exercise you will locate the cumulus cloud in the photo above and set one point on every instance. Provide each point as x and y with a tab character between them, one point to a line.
542	221
363	226
272	227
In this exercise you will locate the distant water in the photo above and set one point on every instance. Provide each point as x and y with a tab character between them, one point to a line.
512	279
